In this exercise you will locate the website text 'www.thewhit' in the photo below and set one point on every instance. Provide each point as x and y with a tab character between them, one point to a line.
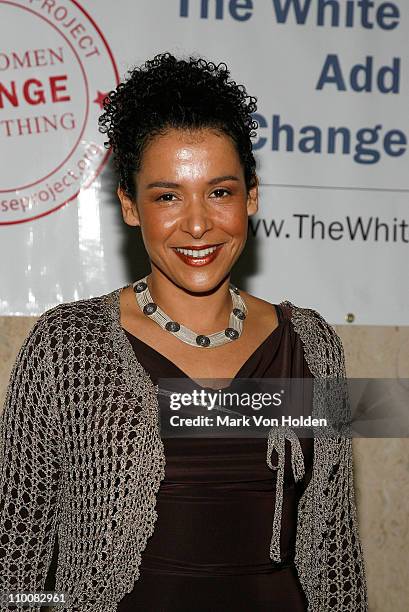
310	227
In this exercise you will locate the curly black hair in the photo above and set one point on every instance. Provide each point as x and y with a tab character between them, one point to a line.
167	92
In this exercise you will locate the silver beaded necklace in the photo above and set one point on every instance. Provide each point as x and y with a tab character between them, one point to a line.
154	312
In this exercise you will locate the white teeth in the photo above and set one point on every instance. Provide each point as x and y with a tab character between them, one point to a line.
197	254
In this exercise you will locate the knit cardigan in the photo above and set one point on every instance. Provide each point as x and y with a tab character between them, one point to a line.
81	456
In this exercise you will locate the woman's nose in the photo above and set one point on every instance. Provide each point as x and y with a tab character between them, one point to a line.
196	218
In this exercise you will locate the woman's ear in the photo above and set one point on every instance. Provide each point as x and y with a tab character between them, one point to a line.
129	209
252	198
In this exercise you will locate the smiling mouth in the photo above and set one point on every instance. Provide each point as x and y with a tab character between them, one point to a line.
198	247
197	251
198	255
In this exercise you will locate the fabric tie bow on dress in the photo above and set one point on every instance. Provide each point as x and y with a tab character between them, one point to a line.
276	441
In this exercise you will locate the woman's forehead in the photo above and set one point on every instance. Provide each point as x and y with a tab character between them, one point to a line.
190	147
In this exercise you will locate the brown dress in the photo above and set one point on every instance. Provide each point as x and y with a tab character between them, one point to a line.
210	546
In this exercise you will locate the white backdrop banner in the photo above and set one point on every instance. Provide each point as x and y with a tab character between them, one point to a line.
331	78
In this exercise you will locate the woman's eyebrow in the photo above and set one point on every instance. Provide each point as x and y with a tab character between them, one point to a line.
165	184
170	185
220	179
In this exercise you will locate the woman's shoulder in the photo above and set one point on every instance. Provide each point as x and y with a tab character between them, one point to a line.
93	314
289	309
311	318
322	345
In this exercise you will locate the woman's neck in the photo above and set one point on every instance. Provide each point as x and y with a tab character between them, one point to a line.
204	312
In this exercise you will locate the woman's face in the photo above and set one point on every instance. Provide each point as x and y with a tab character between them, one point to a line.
191	193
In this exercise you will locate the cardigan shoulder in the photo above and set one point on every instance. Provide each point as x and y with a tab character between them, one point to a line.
78	322
323	348
94	307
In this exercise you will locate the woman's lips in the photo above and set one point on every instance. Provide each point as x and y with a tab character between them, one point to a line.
199	261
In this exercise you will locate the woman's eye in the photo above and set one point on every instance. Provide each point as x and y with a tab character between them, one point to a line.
220	193
166	197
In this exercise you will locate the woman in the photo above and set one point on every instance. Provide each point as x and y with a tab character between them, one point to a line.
232	523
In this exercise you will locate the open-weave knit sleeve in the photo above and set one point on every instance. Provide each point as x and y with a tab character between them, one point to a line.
30	447
329	553
346	576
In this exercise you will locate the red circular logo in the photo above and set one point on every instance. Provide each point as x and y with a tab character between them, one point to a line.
53	81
